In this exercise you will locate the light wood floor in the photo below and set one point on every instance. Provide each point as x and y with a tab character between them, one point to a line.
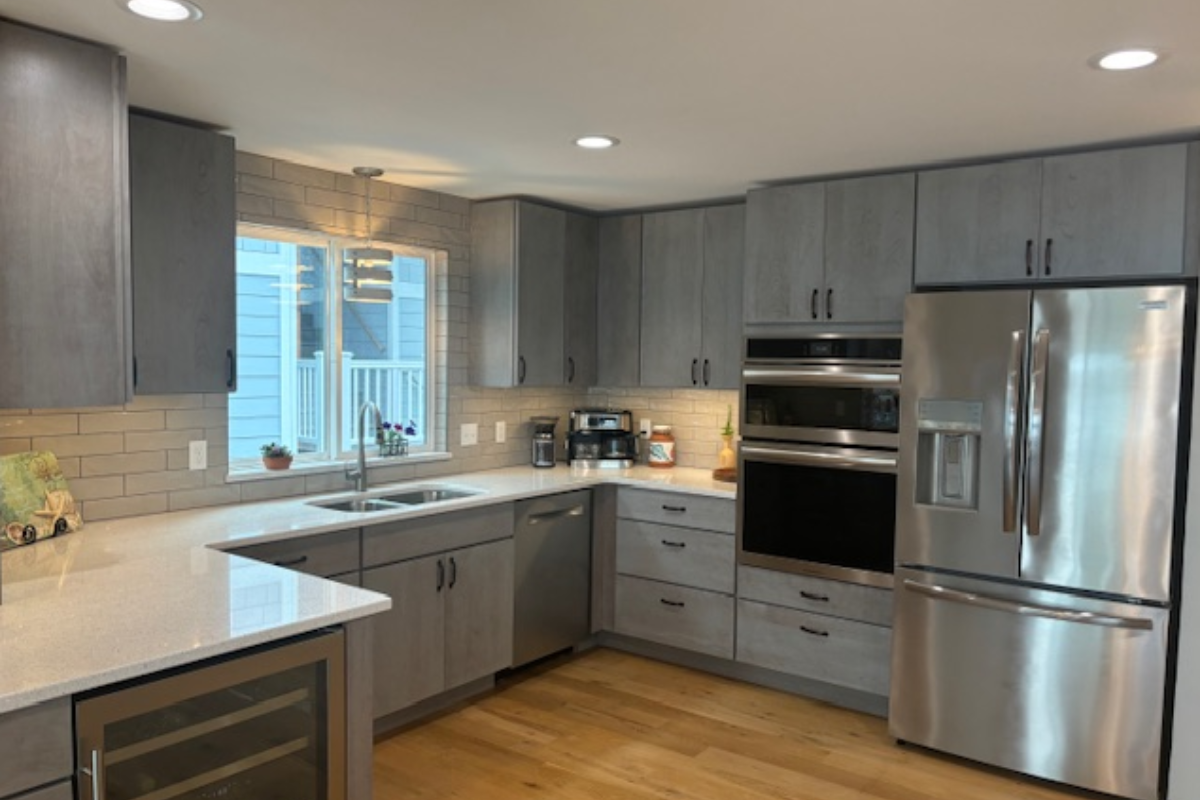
607	725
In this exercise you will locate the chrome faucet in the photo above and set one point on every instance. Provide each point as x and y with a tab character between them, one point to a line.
359	475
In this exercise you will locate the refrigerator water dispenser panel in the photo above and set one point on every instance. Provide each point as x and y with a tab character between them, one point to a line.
948	453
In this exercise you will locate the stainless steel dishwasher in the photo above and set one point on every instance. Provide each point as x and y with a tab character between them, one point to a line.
553	574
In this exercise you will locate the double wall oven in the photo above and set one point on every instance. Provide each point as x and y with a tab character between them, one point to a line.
817	465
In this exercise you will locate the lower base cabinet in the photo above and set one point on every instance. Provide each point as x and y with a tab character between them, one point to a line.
59	791
37	748
679	616
450	622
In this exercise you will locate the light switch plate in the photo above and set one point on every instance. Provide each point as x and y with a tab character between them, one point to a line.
469	434
501	432
198	455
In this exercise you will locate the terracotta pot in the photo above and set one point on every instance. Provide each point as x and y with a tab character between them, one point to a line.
277	462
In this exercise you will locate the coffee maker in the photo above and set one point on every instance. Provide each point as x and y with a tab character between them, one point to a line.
602	437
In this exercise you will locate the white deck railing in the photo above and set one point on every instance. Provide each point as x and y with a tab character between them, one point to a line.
397	387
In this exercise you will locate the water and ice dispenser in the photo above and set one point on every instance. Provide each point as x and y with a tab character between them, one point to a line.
948	437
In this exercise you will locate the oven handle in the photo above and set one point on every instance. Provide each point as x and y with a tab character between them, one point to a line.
828	376
863	460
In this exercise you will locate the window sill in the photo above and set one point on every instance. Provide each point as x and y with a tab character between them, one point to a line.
242	474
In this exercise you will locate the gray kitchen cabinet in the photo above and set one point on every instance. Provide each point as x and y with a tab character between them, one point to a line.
619	301
184	228
830	253
64	248
326	555
38	746
1105	214
532	268
479	611
691	297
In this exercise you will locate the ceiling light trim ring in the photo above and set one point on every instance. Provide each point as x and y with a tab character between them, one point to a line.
163	10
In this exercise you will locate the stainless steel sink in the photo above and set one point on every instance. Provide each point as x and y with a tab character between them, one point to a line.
360	506
416	497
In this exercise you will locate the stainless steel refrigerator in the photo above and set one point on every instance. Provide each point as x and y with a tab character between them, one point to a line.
1036	513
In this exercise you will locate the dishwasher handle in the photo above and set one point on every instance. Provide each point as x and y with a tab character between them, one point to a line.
549	516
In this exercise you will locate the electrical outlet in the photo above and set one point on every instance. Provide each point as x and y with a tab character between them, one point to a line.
644	426
198	455
501	432
469	434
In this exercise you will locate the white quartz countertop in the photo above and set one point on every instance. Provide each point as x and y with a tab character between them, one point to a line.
124	598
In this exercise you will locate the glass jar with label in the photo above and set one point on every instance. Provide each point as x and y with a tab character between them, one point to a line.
662	447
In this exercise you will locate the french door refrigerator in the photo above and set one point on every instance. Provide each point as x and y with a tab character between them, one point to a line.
1037	501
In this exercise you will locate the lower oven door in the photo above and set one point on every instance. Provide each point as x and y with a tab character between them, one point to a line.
826	511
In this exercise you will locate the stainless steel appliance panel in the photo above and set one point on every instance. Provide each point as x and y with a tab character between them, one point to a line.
553	556
1103	416
964	348
1037	681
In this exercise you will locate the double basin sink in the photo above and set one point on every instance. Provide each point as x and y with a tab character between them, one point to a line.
401	499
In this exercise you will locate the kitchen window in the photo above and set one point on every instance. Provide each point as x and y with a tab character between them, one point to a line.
311	351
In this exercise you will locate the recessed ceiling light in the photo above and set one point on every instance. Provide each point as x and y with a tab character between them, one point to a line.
163	10
1133	58
597	142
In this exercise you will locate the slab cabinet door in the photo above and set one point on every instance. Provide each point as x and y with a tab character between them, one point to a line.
785	254
184	230
724	249
479	611
64	260
672	291
1115	213
868	247
619	298
541	256
579	323
409	638
978	224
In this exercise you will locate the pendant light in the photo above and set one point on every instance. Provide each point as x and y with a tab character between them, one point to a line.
367	272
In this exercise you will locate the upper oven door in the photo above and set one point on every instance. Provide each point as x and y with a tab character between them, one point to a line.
846	404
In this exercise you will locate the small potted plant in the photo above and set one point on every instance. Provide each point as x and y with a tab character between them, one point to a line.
394	440
276	456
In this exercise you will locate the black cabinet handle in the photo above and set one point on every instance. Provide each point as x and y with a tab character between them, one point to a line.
820	598
1049	254
230	370
829	304
135	371
671	603
291	562
695	364
1029	257
441	580
570	370
812	303
813	631
453	572
707	372
679	545
677	509
520	369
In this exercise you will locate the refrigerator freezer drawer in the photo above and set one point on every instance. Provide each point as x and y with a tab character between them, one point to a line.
1055	686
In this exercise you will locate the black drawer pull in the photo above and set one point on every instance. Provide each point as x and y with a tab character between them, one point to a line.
676	509
669	543
820	598
291	562
671	603
813	631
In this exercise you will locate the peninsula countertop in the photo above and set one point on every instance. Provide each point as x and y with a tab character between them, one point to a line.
125	598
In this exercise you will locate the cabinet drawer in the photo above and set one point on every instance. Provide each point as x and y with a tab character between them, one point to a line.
405	539
59	791
702	559
691	619
324	555
677	508
817	595
815	646
37	746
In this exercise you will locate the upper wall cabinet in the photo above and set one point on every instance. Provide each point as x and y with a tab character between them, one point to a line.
619	297
1106	214
692	297
533	294
64	259
184	274
830	253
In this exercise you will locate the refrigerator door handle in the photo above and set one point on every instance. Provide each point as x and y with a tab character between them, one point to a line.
1012	410
1028	609
1037	419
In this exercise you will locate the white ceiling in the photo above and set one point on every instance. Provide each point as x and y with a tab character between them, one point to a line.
483	97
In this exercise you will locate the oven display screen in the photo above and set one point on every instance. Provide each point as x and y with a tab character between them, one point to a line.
838	517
